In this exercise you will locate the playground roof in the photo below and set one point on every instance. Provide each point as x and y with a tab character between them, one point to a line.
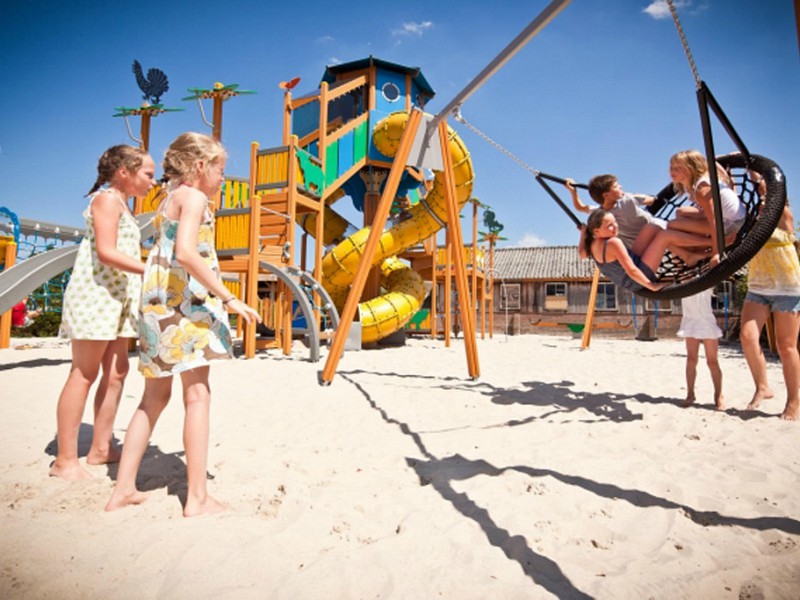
544	263
331	71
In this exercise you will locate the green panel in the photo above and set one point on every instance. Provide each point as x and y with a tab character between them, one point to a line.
312	173
331	162
360	142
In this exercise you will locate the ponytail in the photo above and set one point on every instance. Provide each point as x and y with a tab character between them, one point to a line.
112	159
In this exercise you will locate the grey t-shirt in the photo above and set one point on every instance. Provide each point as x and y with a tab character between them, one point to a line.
631	217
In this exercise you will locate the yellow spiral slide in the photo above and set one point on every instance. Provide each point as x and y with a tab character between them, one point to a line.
389	312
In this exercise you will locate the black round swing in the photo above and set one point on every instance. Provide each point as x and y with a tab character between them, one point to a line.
763	215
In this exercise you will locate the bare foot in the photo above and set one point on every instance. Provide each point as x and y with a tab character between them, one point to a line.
689	401
760	396
121	499
719	403
71	471
195	508
792	411
100	457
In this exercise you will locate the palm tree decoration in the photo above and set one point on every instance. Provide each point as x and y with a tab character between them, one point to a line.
219	93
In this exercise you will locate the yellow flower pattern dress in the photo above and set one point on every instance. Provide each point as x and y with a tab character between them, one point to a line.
775	269
102	302
182	326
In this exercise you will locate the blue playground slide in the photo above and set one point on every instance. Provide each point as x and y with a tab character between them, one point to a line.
24	277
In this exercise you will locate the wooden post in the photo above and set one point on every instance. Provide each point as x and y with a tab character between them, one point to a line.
434	284
251	278
454	226
474	296
216	132
5	319
349	311
587	326
448	287
491	288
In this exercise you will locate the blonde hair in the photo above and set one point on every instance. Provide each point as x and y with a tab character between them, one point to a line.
186	151
112	159
697	166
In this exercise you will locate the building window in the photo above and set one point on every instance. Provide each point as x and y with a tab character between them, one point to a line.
510	294
662	306
390	92
722	297
606	297
555	296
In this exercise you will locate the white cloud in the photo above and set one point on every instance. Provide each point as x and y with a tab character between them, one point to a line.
334	60
659	9
325	39
530	240
413	28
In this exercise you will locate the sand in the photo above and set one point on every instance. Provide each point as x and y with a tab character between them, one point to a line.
559	473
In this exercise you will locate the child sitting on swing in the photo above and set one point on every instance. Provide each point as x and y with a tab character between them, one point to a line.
637	227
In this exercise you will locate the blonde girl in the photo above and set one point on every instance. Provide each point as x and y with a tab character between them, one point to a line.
689	172
100	312
184	322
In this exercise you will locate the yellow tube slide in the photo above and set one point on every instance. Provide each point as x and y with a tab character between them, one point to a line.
388	313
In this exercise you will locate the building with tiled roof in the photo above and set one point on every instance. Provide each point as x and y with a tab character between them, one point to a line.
547	288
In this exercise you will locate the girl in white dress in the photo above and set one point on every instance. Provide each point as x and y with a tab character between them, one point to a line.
100	311
699	325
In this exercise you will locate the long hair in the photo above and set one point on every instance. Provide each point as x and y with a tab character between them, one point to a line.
112	159
697	166
595	220
186	151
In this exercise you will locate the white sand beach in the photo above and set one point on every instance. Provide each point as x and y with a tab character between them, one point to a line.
559	473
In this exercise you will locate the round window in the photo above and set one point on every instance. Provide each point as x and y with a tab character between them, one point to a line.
391	92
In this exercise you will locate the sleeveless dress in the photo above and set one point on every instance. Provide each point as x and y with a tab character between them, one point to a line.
182	325
102	302
775	269
616	272
698	319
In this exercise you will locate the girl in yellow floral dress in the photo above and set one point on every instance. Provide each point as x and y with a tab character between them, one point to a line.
184	322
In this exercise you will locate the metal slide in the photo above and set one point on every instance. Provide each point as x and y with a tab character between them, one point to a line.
24	277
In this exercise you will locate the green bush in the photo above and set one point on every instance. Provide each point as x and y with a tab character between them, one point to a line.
45	325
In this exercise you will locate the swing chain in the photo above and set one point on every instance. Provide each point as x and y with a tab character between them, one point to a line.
686	48
460	118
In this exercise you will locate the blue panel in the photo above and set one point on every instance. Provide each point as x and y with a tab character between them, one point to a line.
346	152
385	100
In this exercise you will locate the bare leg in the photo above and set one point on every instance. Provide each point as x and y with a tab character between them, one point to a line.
197	400
787	326
692	351
86	358
154	400
711	348
670	238
754	316
106	403
646	235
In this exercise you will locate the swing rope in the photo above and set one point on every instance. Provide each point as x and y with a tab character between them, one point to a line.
460	118
686	49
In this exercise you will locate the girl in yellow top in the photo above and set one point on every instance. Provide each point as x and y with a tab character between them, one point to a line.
184	321
774	285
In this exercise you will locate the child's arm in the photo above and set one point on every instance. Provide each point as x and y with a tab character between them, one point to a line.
576	201
106	215
192	206
704	200
644	199
615	249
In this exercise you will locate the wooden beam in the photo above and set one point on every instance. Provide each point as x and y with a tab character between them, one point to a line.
381	216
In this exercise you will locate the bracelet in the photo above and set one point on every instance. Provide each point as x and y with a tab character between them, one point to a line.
231	299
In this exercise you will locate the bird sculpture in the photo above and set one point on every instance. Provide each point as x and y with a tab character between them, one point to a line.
287	85
153	86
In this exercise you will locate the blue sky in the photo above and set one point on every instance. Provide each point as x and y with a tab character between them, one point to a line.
604	88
